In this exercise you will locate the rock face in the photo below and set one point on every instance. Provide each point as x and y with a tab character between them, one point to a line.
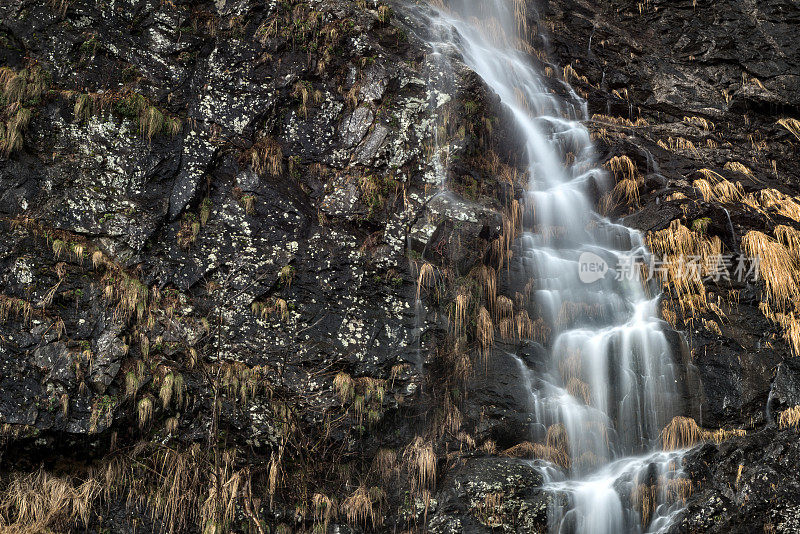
490	495
228	272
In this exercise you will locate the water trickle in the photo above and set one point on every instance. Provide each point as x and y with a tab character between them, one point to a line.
611	382
734	239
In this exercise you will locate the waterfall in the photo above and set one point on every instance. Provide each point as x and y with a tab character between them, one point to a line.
611	382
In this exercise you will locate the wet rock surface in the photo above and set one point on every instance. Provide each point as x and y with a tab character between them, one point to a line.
214	229
489	495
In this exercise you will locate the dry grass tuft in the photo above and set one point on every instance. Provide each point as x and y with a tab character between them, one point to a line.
182	490
678	489
19	92
623	168
679	144
324	510
776	266
266	155
487	278
792	125
41	502
145	411
385	463
462	301
421	463
619	121
504	307
627	190
789	417
680	280
736	166
645	499
681	433
528	450
684	432
712	176
484	332
790	238
579	389
344	386
700	122
426	278
773	199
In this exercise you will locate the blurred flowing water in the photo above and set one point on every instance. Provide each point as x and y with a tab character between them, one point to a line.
611	381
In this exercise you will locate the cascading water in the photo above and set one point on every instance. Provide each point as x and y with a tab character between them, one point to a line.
611	383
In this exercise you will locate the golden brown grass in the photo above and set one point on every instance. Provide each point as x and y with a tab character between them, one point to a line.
783	204
623	168
344	386
678	489
524	325
484	332
619	121
426	278
736	166
681	432
181	489
792	125
712	176
420	460
721	191
579	389
266	155
684	432
528	450
789	417
645	499
705	189
462	302
385	464
487	279
627	190
728	192
700	122
15	307
679	144
504	307
790	238
776	266
570	73
41	502
324	510
675	245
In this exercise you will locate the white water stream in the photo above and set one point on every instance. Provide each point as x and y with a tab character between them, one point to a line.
611	383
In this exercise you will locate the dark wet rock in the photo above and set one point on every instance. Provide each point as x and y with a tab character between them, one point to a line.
491	495
370	146
355	126
106	364
785	391
55	358
373	84
744	485
195	160
501	393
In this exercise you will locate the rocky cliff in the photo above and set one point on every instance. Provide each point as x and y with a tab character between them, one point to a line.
232	294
